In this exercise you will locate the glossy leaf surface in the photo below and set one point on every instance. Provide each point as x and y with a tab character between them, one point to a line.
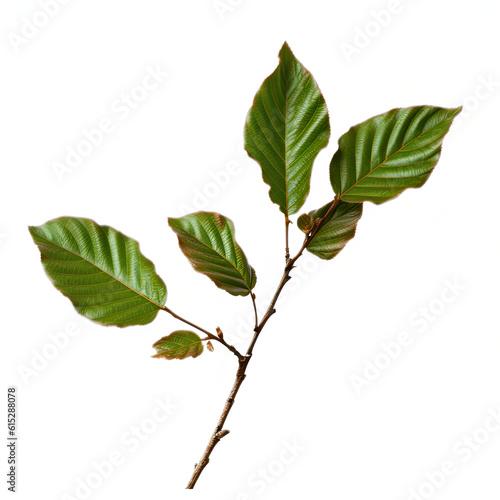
338	228
207	240
285	129
383	156
101	271
180	344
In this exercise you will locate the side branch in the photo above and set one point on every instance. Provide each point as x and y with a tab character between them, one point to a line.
210	336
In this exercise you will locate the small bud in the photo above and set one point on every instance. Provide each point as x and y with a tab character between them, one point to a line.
219	333
305	223
210	347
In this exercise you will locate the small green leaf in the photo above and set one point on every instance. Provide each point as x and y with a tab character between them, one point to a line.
336	230
181	344
305	223
101	271
381	157
207	240
285	129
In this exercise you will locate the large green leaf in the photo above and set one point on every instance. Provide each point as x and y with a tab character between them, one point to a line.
101	271
181	344
336	230
383	156
207	240
285	129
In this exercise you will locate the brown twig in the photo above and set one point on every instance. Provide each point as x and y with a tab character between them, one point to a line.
219	433
287	249
210	336
255	310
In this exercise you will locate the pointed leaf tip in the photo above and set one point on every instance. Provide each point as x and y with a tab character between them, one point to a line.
285	49
286	127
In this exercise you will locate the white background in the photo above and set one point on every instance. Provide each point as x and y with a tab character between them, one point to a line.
377	444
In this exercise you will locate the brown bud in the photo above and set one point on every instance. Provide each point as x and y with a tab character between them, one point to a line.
210	347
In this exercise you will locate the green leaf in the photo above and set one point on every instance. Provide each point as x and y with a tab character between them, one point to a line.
181	344
285	129
101	271
383	156
305	223
336	230
207	240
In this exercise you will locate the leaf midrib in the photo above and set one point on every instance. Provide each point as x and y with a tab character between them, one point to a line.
174	352
223	257
101	269
389	157
183	346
